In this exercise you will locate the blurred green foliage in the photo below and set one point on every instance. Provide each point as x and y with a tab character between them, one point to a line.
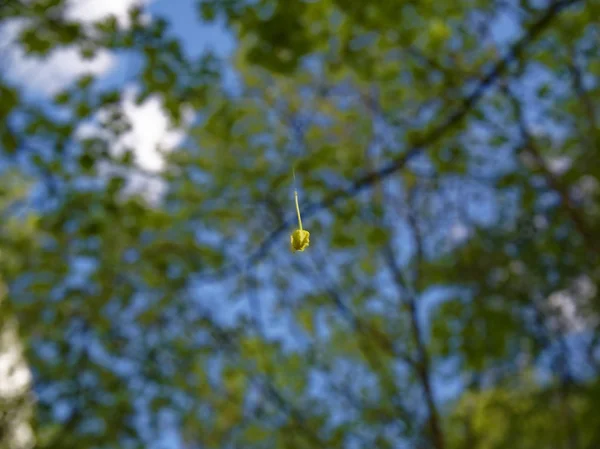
449	173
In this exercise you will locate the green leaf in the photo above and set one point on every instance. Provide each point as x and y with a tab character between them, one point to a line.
306	320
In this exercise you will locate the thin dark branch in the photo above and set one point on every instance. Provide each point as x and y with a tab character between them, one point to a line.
410	290
423	366
586	102
530	146
366	333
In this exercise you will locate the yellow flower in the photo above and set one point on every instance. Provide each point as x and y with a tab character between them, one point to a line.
300	239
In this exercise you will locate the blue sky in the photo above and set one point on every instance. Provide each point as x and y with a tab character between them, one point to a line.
198	38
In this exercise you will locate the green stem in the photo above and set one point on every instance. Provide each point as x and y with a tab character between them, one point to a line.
296	196
298	209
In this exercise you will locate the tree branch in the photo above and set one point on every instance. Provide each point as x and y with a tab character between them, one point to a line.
376	176
571	209
423	366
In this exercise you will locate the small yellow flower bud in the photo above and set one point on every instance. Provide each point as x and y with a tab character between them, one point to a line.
300	239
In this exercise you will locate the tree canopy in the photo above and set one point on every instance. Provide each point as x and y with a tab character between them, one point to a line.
447	161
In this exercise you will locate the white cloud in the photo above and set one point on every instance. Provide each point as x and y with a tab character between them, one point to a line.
50	75
151	133
150	138
62	66
151	130
87	11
